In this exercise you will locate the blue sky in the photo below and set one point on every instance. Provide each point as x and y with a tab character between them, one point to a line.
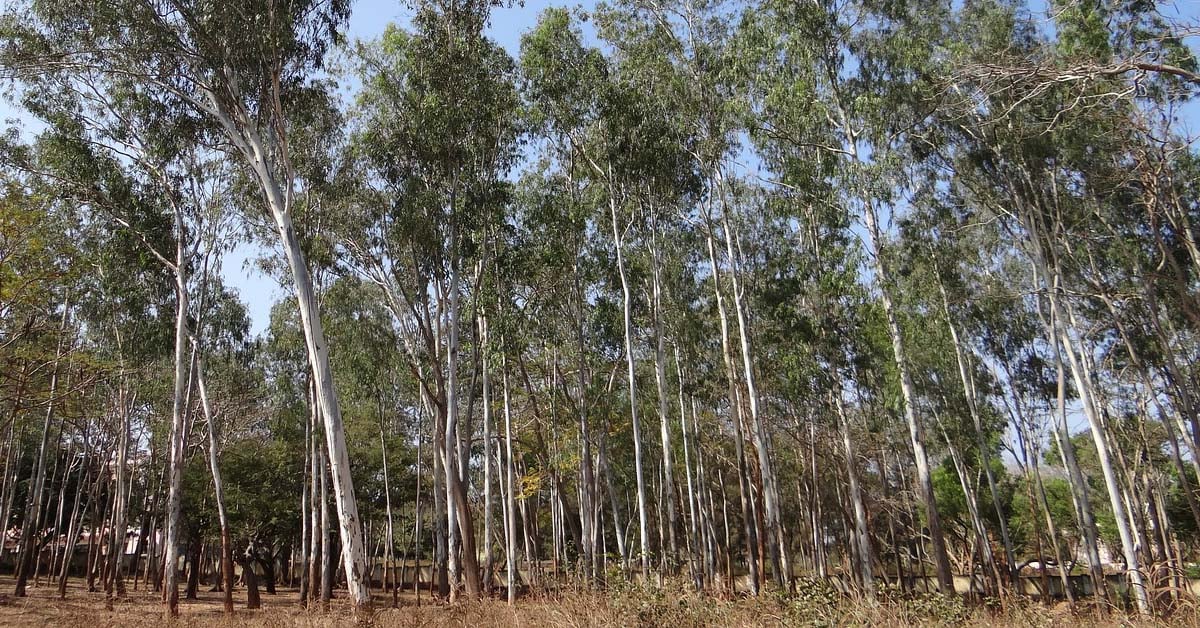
369	19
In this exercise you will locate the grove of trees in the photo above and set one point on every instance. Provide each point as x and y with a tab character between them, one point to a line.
726	294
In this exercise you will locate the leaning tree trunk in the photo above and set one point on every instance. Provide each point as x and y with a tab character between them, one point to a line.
242	132
1034	477
862	536
1083	384
916	429
1059	331
75	523
1139	364
980	531
985	454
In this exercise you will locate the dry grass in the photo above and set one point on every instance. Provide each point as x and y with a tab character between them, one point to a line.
623	607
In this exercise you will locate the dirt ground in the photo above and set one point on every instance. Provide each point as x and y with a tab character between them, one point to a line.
42	608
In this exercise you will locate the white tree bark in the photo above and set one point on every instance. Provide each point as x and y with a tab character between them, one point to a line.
749	521
780	562
243	135
214	467
178	436
510	521
489	554
916	429
1083	385
694	535
968	383
660	378
630	362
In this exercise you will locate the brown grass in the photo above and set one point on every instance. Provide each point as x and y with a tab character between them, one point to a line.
624	607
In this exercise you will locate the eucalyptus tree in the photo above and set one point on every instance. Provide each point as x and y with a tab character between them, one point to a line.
107	148
437	135
1006	128
703	82
861	67
600	128
554	64
243	70
1061	165
39	328
814	315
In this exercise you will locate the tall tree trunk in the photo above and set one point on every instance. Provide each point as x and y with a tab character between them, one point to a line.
1083	385
780	563
113	584
76	522
630	361
327	566
390	534
510	526
416	540
985	454
306	529
194	559
458	510
916	429
489	554
694	532
660	378
179	419
735	415
442	520
61	501
243	133
314	514
706	508
588	505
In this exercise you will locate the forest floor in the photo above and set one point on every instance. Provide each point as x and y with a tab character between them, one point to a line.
42	609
